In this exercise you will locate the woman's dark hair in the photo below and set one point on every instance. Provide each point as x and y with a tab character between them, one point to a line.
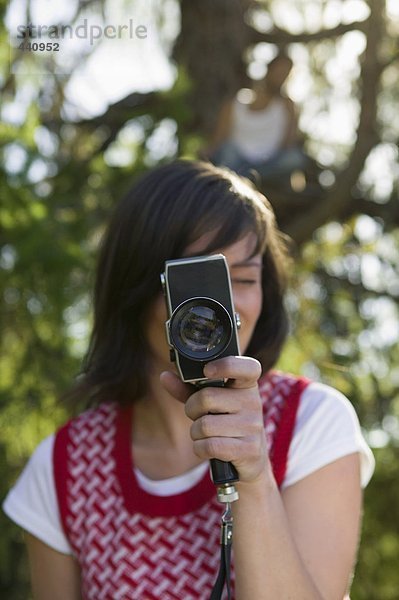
167	209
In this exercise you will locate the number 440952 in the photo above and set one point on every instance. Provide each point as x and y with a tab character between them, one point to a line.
40	46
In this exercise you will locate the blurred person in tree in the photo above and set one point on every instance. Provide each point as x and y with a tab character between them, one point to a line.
119	503
261	135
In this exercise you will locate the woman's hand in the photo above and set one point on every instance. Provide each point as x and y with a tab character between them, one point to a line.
228	421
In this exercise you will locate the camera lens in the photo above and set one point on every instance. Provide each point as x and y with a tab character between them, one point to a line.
200	328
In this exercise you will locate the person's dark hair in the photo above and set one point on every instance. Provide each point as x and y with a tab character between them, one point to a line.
165	211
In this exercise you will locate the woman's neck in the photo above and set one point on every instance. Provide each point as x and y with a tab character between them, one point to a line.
162	446
262	99
159	418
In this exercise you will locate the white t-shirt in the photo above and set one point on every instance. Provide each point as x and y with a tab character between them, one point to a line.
326	429
259	134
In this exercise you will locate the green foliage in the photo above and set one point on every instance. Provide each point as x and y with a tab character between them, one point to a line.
377	573
13	563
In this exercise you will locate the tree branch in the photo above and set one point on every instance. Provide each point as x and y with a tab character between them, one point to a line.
388	212
281	36
340	194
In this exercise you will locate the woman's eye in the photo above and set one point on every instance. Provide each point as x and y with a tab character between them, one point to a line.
244	281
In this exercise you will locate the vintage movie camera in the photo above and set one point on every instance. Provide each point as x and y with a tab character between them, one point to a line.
202	324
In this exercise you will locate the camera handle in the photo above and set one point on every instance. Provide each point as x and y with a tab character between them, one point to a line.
224	475
223	472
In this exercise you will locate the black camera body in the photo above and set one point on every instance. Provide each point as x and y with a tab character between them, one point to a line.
202	324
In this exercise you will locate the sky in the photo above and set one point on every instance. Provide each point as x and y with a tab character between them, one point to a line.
117	66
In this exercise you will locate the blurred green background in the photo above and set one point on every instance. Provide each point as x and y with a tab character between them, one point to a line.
76	130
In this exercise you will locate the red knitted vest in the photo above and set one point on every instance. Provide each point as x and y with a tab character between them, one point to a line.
130	544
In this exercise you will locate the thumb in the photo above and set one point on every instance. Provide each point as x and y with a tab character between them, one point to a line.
175	386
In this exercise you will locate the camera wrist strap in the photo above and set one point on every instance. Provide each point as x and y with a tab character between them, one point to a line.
226	540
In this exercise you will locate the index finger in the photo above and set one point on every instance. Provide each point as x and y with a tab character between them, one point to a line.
241	371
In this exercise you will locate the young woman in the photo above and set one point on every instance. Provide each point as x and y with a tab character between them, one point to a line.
260	135
119	503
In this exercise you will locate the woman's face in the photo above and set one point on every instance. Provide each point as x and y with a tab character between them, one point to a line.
246	278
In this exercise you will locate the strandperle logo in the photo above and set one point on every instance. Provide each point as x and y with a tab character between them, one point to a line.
83	31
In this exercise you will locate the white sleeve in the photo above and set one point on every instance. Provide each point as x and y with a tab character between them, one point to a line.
327	428
32	502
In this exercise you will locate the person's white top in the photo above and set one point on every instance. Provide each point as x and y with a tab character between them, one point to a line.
259	134
326	429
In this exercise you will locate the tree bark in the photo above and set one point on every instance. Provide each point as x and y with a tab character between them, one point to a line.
211	47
